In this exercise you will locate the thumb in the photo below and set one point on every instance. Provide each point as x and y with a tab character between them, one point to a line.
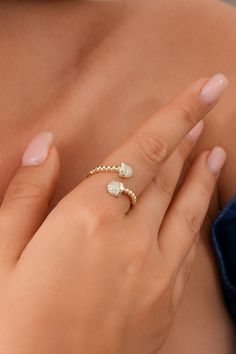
25	204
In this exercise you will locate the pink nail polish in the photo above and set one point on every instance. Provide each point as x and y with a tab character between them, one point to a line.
37	151
195	133
214	88
216	159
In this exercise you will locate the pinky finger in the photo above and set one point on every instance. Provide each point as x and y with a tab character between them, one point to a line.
183	276
184	219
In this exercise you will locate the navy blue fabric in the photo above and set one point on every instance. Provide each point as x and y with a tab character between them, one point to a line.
224	242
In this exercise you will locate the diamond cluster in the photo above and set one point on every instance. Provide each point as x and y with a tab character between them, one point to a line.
125	170
115	188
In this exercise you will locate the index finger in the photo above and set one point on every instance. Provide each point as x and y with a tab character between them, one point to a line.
153	142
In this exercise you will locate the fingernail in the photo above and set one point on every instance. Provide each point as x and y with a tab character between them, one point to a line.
216	159
37	151
195	133
214	88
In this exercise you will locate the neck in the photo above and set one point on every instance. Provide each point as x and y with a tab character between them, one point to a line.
44	46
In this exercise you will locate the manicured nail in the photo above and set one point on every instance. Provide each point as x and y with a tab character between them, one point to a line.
216	159
195	133
214	88
37	151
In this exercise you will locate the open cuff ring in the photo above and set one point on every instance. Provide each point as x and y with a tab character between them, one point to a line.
116	188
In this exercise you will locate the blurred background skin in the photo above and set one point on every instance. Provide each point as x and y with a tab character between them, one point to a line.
90	72
233	2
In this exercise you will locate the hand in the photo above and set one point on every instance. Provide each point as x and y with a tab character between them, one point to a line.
96	276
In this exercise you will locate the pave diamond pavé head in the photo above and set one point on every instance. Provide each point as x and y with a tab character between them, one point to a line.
125	170
115	188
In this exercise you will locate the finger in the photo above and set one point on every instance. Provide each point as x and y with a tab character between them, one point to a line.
157	138
26	200
183	276
188	210
155	200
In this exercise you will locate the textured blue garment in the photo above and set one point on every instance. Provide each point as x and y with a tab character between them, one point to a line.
224	241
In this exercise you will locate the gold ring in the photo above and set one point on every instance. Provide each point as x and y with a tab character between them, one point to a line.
123	169
116	188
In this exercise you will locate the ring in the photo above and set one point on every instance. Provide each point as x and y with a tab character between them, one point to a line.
123	169
116	188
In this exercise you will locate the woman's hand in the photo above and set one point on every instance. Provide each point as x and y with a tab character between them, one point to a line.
96	276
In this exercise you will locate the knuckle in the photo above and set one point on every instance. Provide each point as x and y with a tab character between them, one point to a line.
91	217
165	184
164	286
178	291
154	148
183	278
105	217
205	190
96	218
24	190
192	219
186	273
188	113
138	253
162	290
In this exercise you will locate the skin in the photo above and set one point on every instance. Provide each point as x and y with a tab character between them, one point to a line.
81	79
54	274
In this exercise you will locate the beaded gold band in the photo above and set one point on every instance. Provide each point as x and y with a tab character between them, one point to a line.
116	188
123	170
